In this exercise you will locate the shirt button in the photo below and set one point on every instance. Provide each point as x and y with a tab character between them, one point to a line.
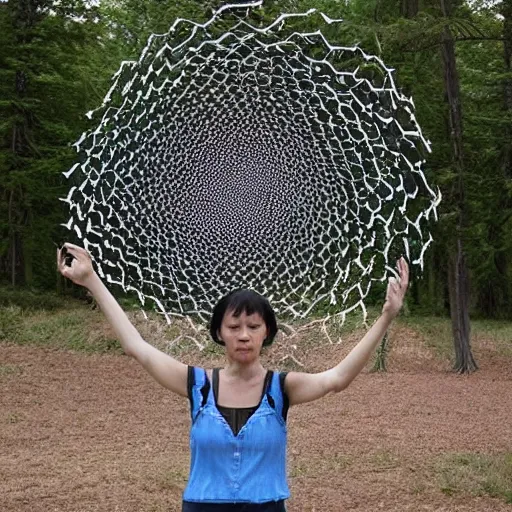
237	454
236	485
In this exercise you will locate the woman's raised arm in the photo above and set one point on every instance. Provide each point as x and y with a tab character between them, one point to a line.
166	370
306	387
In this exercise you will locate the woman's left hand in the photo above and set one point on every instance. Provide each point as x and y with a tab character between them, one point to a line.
396	290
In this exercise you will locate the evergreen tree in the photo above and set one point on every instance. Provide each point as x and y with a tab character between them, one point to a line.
49	78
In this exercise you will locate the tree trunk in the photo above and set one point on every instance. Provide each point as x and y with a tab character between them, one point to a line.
507	86
24	15
458	274
507	36
13	260
28	264
381	355
409	8
12	239
458	286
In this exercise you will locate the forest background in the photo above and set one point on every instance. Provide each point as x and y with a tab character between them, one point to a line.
453	57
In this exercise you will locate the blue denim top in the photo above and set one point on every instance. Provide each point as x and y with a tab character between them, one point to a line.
247	468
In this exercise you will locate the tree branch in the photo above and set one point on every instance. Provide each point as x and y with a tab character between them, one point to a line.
456	39
476	38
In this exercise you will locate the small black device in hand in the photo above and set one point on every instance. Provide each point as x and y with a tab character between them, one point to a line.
68	257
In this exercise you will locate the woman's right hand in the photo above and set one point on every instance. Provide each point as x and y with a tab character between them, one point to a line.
163	368
81	271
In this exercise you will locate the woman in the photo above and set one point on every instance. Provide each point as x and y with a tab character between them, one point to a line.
238	434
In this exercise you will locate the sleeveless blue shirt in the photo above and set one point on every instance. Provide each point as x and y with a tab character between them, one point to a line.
247	468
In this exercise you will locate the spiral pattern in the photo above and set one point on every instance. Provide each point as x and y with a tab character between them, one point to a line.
232	156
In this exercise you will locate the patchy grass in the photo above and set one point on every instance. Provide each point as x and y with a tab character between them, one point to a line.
75	328
476	474
436	331
326	463
323	464
497	333
485	334
69	324
339	462
9	369
383	453
80	328
173	479
14	417
419	488
10	318
384	460
342	327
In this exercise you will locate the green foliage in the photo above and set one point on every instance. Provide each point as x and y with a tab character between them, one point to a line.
51	68
9	322
31	299
412	47
56	65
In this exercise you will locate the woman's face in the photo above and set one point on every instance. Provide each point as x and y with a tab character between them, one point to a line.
243	335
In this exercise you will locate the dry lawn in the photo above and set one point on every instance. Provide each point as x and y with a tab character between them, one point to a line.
94	433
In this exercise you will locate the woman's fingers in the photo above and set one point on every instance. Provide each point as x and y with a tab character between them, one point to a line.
403	270
75	250
394	286
74	262
60	259
61	263
406	271
69	245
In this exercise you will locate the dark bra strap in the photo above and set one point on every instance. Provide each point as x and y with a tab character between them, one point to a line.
265	390
215	382
205	389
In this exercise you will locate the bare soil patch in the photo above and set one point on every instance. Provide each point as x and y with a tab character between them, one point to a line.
95	433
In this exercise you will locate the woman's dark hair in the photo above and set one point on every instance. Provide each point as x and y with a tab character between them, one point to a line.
246	301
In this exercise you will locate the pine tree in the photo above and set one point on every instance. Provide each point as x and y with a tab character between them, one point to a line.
49	74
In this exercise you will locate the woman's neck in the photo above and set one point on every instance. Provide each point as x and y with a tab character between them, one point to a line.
245	371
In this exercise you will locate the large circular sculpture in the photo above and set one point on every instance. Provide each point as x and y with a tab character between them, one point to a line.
231	156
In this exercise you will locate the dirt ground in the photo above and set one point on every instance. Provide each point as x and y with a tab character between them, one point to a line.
95	433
